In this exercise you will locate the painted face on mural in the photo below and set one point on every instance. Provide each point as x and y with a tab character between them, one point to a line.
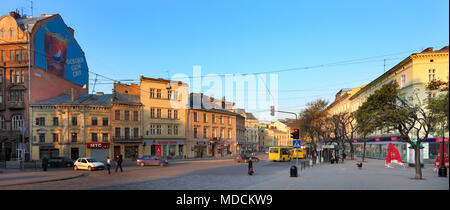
55	52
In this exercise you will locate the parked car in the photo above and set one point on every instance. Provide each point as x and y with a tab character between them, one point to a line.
151	160
60	162
245	157
88	163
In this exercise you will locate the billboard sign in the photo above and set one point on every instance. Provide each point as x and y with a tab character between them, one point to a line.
57	52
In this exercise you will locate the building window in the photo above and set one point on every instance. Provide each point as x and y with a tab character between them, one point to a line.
10	33
105	121
158	129
175	95
169	94
152	93
127	132
136	132
158	93
229	121
2	56
94	137
221	119
42	138
213	118
152	113
3	33
175	114
158	113
195	133
40	121
74	137
55	121
94	120
222	133
17	122
117	132
195	116
431	75
55	137
152	129
175	129
127	115
229	134
74	121
169	114
11	55
214	132
204	117
117	115
17	56
169	129
205	132
2	122
105	137
135	115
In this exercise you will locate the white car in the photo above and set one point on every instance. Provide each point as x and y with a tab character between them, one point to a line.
88	163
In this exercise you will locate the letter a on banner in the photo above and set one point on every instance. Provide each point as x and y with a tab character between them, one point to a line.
393	156
438	162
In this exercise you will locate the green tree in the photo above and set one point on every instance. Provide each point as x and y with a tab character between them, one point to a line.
384	109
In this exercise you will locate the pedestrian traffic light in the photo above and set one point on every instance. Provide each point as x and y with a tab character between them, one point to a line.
295	134
272	110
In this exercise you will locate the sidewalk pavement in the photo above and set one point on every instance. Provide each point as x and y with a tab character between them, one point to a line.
346	176
11	177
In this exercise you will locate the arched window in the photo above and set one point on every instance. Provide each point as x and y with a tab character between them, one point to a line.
17	122
2	122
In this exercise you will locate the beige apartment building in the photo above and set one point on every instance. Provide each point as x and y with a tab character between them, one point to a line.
412	74
164	116
213	130
70	126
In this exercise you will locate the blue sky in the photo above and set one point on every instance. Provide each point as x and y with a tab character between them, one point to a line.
126	39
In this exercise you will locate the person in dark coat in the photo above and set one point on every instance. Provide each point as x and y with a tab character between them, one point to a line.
108	164
119	163
250	167
44	163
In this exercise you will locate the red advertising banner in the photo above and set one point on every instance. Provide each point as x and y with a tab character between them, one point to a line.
437	164
393	156
158	151
97	145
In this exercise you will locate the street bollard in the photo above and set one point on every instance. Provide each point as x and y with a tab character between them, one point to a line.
294	171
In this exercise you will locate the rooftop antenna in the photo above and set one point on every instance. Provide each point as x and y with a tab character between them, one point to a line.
31	7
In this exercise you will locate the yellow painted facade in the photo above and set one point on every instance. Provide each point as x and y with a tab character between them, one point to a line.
60	130
412	74
164	116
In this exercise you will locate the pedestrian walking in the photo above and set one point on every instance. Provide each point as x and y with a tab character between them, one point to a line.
250	167
44	163
119	163
108	164
343	156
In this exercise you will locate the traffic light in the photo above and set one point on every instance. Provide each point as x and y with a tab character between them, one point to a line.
272	110
295	134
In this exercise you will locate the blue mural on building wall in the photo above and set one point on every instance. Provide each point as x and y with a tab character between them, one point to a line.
57	51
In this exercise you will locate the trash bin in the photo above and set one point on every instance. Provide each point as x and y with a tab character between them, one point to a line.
294	171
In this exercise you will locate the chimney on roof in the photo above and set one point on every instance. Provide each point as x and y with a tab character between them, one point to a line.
74	94
15	15
429	49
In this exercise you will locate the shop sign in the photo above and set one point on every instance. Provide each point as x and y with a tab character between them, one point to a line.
169	142
97	145
394	138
